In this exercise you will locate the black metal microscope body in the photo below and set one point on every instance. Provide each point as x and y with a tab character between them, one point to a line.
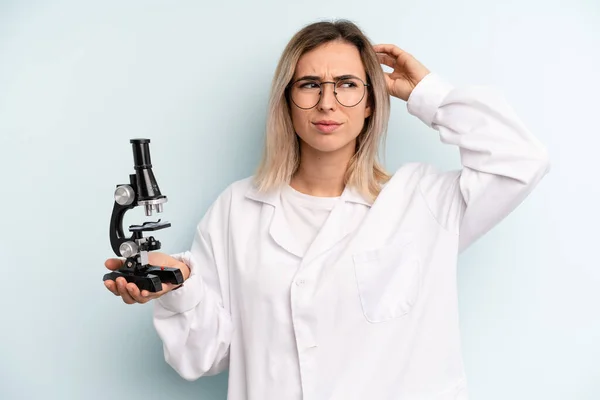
142	190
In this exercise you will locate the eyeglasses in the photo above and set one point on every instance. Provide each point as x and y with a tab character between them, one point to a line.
307	93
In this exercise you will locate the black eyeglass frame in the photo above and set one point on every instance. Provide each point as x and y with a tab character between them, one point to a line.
289	89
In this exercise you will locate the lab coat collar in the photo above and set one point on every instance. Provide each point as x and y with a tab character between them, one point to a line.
272	196
335	229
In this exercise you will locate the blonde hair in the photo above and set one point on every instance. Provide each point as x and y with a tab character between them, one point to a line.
281	155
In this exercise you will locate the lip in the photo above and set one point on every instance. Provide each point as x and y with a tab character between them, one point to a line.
326	126
326	122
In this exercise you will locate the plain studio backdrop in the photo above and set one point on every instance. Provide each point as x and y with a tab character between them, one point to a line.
79	79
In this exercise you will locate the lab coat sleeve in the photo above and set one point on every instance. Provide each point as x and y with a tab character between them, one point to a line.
502	162
194	322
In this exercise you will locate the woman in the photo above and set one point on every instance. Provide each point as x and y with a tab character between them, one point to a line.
323	277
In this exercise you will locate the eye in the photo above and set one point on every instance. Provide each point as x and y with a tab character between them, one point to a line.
347	84
308	85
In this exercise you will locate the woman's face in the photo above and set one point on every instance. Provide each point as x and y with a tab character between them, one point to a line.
327	62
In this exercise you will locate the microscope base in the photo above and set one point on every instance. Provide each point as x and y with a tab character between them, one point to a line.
151	279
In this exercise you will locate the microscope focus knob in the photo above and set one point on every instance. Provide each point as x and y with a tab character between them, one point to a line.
124	195
128	249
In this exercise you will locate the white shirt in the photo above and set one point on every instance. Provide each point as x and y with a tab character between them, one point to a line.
305	214
370	310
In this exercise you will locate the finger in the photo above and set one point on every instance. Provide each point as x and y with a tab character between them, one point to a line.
386	60
113	263
166	287
389	81
123	292
148	295
389	49
135	294
112	286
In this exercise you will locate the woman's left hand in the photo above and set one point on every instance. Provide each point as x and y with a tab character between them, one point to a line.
408	71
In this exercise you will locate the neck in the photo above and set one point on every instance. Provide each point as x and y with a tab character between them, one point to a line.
322	174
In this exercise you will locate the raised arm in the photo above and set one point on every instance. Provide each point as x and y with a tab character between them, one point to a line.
502	162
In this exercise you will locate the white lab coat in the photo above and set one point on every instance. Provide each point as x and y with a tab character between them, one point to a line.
371	310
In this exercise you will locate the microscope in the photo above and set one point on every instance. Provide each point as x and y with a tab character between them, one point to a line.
142	190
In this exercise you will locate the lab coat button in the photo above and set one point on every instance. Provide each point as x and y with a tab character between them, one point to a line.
300	282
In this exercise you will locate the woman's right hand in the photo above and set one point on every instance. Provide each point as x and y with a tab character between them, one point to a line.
129	292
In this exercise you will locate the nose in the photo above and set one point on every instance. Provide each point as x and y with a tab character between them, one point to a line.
328	100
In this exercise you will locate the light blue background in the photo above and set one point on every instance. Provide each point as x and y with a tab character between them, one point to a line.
79	79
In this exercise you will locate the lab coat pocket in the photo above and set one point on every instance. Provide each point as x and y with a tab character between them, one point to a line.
388	279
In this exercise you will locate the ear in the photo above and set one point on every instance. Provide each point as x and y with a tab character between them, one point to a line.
369	108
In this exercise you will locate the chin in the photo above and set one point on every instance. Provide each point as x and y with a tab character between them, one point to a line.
327	143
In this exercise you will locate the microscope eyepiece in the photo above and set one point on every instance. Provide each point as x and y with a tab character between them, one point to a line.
147	189
141	153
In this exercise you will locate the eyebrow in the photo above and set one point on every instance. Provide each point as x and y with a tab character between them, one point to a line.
318	78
